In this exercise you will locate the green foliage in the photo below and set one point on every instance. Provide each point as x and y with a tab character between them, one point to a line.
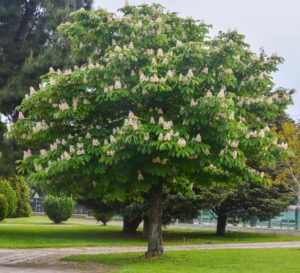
3	207
21	189
245	200
156	100
9	193
103	217
58	209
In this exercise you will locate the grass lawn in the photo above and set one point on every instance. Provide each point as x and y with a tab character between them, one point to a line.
35	232
204	261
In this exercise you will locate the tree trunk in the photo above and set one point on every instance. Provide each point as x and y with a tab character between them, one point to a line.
146	227
26	22
221	224
155	242
130	224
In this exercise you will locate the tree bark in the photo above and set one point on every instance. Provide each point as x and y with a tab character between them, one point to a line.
146	227
155	242
27	18
221	224
131	224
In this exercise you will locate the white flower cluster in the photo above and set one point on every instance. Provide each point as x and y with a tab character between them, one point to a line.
80	150
21	115
111	153
263	99
63	106
255	172
261	133
39	126
283	145
159	160
181	142
65	156
27	154
43	153
197	138
140	176
154	78
117	85
132	121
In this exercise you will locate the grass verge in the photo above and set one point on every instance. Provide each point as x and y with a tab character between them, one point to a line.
202	261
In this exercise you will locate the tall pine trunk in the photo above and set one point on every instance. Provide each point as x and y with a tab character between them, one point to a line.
221	224
155	242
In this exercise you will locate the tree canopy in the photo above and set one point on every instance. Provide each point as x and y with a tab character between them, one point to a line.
159	103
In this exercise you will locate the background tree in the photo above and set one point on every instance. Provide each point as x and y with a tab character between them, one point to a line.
28	46
158	104
244	201
289	171
21	189
9	193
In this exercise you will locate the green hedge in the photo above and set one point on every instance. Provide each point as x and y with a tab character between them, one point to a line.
3	207
9	193
58	209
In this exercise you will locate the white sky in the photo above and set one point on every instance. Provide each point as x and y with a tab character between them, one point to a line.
271	24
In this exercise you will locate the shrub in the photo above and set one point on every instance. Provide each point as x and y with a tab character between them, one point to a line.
21	189
58	209
103	217
9	193
3	207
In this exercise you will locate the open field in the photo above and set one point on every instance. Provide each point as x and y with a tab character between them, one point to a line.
35	232
203	261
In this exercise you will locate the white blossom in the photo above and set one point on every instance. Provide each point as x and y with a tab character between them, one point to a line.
32	91
112	139
178	43
140	176
234	154
198	138
193	103
221	94
160	52
181	142
53	147
71	149
88	135
208	94
111	153
95	142
27	154
152	120
66	156
190	73
205	70
118	84
160	137
63	106
21	115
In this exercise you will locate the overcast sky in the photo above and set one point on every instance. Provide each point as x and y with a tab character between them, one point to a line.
271	24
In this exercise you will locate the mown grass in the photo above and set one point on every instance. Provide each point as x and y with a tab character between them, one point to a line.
202	261
38	232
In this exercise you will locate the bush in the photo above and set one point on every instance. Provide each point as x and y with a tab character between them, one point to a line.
9	193
58	209
21	189
3	207
103	217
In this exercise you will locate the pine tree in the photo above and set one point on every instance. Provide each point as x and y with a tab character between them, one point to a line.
28	46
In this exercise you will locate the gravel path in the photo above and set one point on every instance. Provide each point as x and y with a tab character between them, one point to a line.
46	260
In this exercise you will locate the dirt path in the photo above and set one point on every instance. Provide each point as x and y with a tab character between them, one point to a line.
46	260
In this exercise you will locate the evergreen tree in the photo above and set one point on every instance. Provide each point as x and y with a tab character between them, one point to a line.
28	47
27	32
